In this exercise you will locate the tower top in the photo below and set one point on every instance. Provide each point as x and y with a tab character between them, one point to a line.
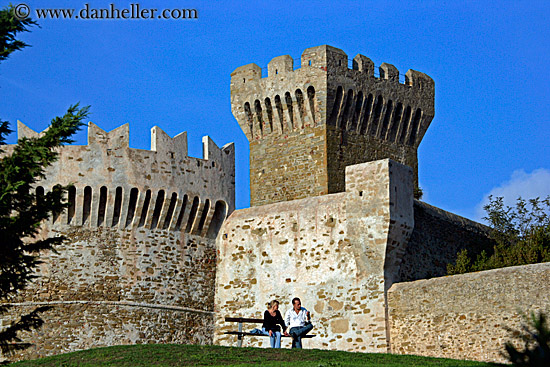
324	115
331	60
323	67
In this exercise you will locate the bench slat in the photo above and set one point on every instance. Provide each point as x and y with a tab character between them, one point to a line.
243	319
243	333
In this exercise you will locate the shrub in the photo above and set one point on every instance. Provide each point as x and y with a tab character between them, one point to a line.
521	234
536	338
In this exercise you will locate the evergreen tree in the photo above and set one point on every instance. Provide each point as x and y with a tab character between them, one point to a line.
21	211
9	27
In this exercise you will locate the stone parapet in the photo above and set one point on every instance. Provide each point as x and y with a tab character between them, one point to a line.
114	185
466	316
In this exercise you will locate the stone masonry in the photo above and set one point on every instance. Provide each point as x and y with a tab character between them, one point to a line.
306	125
467	316
436	239
140	261
333	220
339	253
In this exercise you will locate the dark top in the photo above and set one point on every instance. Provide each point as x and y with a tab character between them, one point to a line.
270	322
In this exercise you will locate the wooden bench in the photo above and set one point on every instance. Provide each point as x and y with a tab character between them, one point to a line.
240	333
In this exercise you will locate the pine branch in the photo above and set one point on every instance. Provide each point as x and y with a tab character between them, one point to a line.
9	27
9	341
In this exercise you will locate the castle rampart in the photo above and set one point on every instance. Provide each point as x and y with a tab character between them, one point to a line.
467	316
340	253
324	116
140	261
156	252
449	233
117	186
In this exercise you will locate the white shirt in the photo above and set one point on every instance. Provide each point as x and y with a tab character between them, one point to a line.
293	319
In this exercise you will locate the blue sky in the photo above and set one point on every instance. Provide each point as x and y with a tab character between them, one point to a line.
490	62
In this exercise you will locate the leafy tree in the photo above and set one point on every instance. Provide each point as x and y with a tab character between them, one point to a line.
521	234
21	211
536	338
417	192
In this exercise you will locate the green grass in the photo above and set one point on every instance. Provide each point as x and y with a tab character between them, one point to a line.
197	355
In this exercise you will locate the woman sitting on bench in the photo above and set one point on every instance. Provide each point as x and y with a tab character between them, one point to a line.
272	317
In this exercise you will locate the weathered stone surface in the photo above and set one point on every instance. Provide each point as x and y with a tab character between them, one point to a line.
306	125
108	161
466	316
436	239
105	264
339	253
83	325
145	263
139	264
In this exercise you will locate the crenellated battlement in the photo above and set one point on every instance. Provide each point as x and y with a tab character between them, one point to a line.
324	115
140	229
324	90
114	185
156	253
161	142
331	60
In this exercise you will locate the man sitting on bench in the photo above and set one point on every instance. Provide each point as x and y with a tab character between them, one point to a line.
298	322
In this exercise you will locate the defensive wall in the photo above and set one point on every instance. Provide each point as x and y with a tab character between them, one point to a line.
467	316
305	125
333	164
140	261
437	237
316	249
339	253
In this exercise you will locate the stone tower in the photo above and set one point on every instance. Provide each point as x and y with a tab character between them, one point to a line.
306	125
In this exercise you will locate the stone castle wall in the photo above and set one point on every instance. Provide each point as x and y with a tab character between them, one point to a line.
337	252
466	316
437	238
297	171
346	148
109	286
333	163
139	262
108	161
340	253
69	327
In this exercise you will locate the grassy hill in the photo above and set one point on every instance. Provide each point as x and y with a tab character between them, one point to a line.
200	355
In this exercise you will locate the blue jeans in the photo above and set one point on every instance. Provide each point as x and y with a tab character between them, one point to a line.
297	333
275	338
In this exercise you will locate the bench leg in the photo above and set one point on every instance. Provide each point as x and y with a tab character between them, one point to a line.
240	338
